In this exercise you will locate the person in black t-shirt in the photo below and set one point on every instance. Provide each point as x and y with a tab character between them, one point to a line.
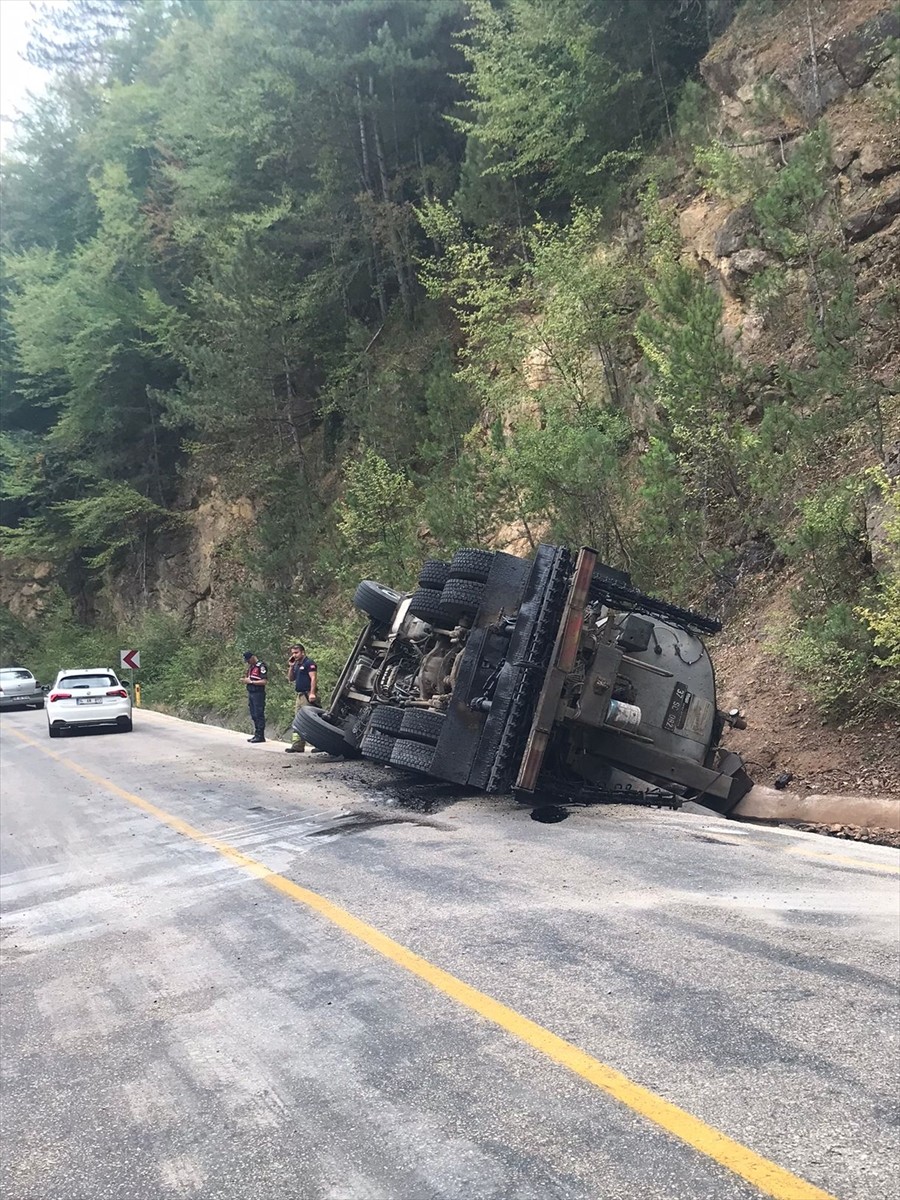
302	673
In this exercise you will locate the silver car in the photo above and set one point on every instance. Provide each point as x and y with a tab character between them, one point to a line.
18	687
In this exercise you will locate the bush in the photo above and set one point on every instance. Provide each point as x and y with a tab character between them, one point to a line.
832	655
16	640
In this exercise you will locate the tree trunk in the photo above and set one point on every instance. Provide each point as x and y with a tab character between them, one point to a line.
363	140
814	56
662	87
394	244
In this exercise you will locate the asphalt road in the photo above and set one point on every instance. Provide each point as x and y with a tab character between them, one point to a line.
208	990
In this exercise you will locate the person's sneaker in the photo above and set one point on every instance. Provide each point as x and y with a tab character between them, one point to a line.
316	750
294	748
257	737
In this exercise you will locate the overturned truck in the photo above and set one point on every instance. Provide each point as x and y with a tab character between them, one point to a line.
553	678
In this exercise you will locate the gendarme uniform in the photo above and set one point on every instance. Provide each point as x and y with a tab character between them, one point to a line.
256	698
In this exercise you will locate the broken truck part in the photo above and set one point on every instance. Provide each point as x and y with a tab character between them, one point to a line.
550	677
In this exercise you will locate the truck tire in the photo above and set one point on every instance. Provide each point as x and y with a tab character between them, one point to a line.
472	564
462	596
376	601
377	745
314	728
434	573
428	605
412	756
386	719
422	725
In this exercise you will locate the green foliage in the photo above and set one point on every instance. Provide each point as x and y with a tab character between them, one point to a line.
694	113
669	527
376	516
724	171
17	639
99	527
695	383
832	654
829	540
846	653
561	92
787	211
887	93
880	608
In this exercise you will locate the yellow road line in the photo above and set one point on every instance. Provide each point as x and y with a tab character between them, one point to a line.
844	860
767	1176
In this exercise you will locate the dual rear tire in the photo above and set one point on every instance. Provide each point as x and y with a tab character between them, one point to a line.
403	738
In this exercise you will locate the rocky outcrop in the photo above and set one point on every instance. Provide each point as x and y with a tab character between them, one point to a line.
863	224
775	80
26	587
813	55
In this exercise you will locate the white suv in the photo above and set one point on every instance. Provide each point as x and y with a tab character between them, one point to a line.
87	697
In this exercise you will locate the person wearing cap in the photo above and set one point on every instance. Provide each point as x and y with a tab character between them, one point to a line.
256	679
302	673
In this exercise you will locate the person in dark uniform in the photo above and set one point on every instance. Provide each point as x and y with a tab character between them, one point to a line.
256	679
302	674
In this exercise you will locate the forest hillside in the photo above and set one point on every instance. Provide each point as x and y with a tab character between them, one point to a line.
295	294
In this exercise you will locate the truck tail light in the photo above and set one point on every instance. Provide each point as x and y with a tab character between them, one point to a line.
60	696
118	692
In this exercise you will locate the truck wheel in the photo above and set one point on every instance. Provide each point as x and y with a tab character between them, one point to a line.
385	719
428	605
313	727
462	595
472	564
413	756
377	745
376	601
434	573
422	725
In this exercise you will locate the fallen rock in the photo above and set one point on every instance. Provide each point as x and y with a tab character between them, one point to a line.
853	833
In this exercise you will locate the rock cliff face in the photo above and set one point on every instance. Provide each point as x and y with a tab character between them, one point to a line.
193	569
820	60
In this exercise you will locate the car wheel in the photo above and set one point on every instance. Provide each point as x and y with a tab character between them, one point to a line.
434	574
377	745
54	731
313	727
472	564
125	726
412	756
376	601
462	595
427	604
422	725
